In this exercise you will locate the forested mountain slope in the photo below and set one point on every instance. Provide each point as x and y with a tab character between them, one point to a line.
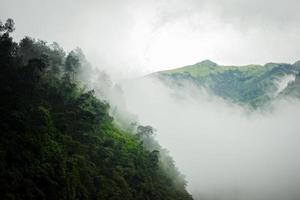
254	85
57	140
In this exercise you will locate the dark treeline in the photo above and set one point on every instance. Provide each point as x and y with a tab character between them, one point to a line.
57	140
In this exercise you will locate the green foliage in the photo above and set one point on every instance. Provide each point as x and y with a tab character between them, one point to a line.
252	85
58	141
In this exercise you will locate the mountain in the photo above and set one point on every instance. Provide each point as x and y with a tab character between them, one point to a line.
58	140
254	85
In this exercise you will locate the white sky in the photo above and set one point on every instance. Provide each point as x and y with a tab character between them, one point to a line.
134	37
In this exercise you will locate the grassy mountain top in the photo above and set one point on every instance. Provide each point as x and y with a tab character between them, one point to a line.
206	67
254	85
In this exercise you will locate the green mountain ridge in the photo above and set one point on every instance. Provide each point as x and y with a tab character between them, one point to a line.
253	85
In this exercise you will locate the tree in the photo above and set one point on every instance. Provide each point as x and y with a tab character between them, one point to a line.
144	131
72	65
58	140
8	27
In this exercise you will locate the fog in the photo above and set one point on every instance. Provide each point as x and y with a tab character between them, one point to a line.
283	82
226	151
130	38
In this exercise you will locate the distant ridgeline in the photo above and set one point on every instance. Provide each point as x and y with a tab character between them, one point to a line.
57	140
253	85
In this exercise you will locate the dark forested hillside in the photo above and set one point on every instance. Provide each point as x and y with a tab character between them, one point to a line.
57	140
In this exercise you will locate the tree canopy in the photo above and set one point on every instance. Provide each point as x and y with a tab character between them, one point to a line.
57	139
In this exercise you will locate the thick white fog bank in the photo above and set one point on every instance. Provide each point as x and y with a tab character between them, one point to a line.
225	151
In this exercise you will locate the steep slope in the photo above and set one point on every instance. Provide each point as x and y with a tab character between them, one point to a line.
58	141
252	84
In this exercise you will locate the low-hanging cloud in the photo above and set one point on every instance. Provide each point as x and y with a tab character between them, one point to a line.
134	37
243	14
225	151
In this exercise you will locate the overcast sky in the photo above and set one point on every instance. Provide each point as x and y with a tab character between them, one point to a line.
132	37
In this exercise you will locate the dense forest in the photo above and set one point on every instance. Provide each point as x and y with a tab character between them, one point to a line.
58	140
